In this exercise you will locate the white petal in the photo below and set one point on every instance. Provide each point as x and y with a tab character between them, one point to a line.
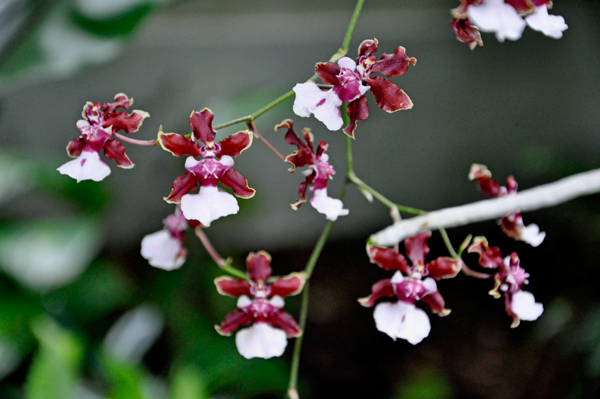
347	63
402	320
525	306
397	277
208	205
87	166
330	207
325	105
161	250
430	284
243	301
260	340
532	235
550	25
499	17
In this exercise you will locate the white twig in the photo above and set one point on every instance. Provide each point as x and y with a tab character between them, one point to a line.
528	200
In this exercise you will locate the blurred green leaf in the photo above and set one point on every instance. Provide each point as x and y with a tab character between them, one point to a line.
125	379
54	371
49	253
188	383
425	384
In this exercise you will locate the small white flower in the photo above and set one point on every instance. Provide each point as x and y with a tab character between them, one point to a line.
550	25
498	17
532	235
330	207
162	250
325	105
86	166
260	340
208	205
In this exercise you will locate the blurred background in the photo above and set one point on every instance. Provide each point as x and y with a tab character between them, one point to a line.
82	314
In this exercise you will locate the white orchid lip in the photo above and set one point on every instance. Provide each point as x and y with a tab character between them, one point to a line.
332	208
261	340
208	205
88	166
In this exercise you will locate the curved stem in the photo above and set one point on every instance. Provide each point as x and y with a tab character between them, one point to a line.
233	122
293	385
224	264
271	105
261	138
146	143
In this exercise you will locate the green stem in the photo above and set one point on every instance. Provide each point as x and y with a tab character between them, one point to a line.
448	243
224	264
271	105
293	385
350	31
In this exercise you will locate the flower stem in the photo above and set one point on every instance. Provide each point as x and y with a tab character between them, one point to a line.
448	244
261	138
293	385
350	31
224	264
271	105
233	122
146	143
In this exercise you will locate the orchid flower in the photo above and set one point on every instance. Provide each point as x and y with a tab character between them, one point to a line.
97	130
512	225
402	319
351	80
164	249
216	166
318	173
509	277
260	305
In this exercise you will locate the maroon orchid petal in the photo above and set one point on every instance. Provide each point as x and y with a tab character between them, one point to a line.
235	144
122	120
302	192
328	72
416	247
367	47
113	149
512	225
178	144
75	147
121	101
232	286
487	185
201	123
436	303
461	10
258	266
538	3
395	64
291	284
238	183
233	321
304	155
388	96
379	290
181	186
523	7
387	258
286	322
358	110
508	306
490	258
511	185
467	32
443	267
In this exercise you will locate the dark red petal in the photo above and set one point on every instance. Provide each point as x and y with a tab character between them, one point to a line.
358	110
201	123
178	144
302	193
286	322
291	284
490	258
181	186
233	321
121	101
394	64
416	247
512	226
523	7
328	72
490	187
258	266
511	185
466	32
367	47
461	10
387	258
389	97
379	290
538	3
232	286
75	147
113	149
443	267
235	144
436	303
508	307
123	120
238	183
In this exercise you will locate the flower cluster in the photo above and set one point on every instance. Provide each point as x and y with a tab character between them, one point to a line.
216	166
164	249
402	319
260	306
317	174
505	19
98	128
512	225
351	80
509	277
